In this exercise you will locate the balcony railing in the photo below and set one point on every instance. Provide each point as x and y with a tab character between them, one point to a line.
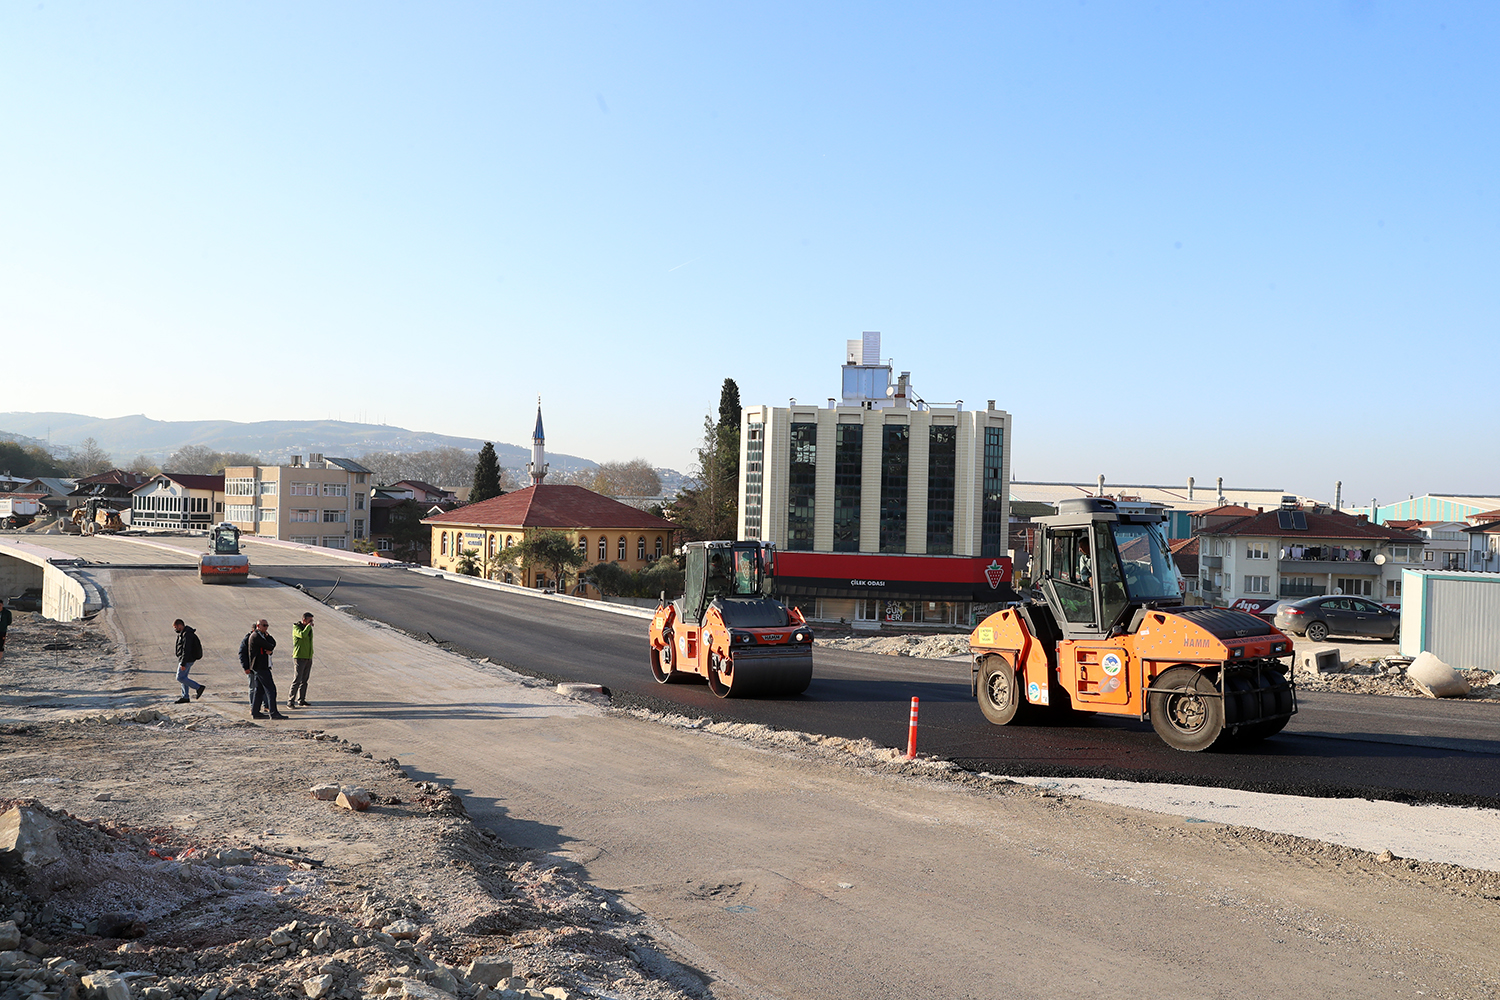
1289	593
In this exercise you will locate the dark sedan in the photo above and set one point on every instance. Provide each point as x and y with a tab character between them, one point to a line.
1319	617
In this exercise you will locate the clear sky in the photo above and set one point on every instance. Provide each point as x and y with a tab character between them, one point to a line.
1249	240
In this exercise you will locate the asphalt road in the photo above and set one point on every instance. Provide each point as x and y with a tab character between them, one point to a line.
1338	745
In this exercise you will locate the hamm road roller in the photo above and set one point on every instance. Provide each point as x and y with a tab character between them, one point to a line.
1110	634
223	562
729	629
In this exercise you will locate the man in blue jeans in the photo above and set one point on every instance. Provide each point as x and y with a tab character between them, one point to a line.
255	657
189	652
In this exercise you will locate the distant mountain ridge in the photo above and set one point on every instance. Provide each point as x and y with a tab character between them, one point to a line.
273	440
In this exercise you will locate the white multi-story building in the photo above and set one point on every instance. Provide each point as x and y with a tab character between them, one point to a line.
178	500
883	507
323	501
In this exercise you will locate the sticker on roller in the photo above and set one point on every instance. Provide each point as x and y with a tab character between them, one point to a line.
1111	664
1036	694
985	636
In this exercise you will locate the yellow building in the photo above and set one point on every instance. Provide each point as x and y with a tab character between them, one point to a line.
605	530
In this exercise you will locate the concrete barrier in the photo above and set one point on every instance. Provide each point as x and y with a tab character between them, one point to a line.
65	596
1321	660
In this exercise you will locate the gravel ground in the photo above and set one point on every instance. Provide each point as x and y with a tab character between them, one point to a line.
193	858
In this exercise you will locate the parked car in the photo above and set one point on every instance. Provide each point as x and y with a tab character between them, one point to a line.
1319	617
31	600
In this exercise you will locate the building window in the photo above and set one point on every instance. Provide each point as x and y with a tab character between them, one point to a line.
755	446
443	544
621	556
359	527
1359	586
304	515
304	489
335	516
240	513
268	513
1257	550
992	528
1393	588
658	546
1257	584
335	542
640	549
492	546
359	477
383	545
239	487
583	546
848	467
801	486
1400	553
335	489
509	541
359	501
268	489
895	449
942	472
1299	586
603	548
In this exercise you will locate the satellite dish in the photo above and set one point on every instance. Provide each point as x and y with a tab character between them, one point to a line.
1380	559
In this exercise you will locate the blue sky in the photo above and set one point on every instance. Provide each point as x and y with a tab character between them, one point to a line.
1255	241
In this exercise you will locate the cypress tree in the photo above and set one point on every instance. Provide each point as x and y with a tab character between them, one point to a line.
486	475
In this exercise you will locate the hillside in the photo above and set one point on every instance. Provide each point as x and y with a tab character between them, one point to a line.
273	440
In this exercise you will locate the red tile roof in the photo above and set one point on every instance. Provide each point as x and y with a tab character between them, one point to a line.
115	477
560	507
1228	510
1328	524
197	482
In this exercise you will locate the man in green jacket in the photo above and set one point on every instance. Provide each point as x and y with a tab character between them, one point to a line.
302	645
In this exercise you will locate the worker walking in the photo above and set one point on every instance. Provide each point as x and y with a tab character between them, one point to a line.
189	652
255	657
302	652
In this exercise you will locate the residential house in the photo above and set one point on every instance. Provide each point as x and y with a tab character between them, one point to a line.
1296	552
1484	541
322	501
178	500
415	489
1447	546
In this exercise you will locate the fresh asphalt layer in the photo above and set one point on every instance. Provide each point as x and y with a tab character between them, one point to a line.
1405	750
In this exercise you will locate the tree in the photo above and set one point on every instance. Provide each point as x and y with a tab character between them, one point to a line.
89	459
486	475
143	464
468	562
709	509
28	462
193	460
231	459
635	478
552	550
408	533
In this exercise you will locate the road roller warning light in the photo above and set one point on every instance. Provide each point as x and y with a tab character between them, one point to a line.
729	629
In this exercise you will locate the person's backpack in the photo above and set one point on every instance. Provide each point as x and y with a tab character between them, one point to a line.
193	648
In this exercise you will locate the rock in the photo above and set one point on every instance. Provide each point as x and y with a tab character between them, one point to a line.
106	985
317	987
1435	678
117	925
356	799
421	991
325	792
490	970
322	938
212	994
156	993
1385	856
403	930
10	936
28	838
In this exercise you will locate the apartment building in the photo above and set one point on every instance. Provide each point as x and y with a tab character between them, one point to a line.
884	508
320	501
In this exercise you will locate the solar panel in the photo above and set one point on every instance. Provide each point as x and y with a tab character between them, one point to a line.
1299	520
1284	520
1291	520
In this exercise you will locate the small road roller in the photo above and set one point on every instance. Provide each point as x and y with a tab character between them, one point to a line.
729	629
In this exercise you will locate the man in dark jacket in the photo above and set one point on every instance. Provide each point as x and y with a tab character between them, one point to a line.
189	652
4	627
255	656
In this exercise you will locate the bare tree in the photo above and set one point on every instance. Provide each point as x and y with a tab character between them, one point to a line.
144	465
387	466
635	478
88	459
193	459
